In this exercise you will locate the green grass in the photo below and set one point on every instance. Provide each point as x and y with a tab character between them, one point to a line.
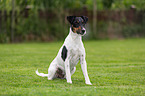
115	67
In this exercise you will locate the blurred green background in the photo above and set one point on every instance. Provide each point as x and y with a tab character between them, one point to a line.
45	20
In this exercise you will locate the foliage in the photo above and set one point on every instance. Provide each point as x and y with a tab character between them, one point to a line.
116	30
107	3
73	4
38	27
114	67
132	31
127	4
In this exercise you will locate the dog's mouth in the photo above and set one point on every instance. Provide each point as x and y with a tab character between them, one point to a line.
81	33
79	30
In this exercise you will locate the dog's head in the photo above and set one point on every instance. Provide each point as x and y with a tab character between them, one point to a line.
78	24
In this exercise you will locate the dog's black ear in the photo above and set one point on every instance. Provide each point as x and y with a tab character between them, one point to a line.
71	19
85	18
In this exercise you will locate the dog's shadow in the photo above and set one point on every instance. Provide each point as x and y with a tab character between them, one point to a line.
75	82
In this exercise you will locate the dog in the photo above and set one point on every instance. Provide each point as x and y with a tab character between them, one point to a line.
71	52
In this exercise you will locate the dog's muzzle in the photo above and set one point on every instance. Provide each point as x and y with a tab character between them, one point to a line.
83	31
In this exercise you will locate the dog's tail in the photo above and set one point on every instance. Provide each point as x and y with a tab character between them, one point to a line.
41	74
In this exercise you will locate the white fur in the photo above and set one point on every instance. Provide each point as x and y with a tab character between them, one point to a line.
76	52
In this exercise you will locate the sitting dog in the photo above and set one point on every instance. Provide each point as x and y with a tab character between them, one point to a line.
63	66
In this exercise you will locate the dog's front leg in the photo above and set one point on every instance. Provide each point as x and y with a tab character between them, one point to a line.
67	71
84	69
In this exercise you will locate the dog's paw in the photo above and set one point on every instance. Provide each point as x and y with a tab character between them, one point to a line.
69	82
88	83
49	78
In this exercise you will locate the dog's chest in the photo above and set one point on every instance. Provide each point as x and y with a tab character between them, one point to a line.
74	52
74	56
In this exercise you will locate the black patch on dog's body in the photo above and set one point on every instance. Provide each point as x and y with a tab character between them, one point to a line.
64	53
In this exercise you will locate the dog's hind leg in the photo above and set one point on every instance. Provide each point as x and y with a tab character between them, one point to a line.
73	71
52	70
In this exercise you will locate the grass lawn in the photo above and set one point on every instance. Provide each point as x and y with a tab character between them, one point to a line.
115	67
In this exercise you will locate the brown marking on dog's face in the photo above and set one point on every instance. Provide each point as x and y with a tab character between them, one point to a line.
76	30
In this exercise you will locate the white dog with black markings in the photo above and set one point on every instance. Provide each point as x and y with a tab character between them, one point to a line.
63	66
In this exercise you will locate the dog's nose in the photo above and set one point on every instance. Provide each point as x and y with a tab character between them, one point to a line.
83	31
